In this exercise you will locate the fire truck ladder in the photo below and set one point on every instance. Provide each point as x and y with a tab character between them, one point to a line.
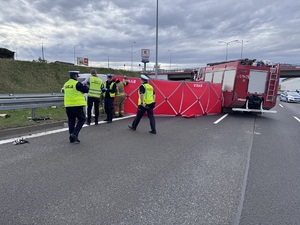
271	95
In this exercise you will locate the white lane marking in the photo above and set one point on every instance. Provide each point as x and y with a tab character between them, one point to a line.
11	140
244	185
219	120
281	105
297	118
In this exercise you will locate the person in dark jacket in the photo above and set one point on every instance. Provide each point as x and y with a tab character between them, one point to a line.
109	91
74	102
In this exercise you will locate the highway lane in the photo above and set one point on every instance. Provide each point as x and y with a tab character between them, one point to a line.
192	172
272	194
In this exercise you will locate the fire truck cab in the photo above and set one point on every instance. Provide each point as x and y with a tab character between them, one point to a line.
247	85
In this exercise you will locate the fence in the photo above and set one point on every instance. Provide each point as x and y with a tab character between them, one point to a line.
30	101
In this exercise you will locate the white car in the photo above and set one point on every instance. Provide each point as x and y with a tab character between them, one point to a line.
83	76
290	96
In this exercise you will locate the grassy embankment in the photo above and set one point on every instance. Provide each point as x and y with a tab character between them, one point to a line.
19	77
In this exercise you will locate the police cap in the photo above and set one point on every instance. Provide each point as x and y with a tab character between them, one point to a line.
144	77
72	73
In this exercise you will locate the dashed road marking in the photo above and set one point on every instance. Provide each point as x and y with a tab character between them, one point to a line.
297	118
219	120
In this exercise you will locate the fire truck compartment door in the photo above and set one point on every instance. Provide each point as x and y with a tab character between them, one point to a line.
257	81
228	80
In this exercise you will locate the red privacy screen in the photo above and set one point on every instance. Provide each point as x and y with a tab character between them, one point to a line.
177	98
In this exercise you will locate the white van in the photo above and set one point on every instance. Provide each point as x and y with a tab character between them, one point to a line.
83	76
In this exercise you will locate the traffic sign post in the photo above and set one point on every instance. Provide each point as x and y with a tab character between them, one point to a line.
145	53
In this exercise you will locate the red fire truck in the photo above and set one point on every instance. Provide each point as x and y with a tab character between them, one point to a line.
247	85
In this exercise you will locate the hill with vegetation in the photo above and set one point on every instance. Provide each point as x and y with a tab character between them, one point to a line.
41	77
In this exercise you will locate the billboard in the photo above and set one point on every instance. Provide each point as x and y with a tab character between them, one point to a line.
82	61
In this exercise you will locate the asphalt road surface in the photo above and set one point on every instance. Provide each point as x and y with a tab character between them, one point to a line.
239	169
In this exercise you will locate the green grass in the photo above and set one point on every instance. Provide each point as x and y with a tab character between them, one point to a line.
38	77
23	77
22	118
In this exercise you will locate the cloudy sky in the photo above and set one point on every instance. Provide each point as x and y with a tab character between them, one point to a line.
191	33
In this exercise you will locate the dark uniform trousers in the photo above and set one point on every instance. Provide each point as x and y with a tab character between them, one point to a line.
93	101
109	108
73	113
141	111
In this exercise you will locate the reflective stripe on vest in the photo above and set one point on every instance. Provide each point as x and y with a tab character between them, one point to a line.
95	86
148	96
72	97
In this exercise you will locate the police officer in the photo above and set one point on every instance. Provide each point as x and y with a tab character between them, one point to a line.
95	86
74	102
109	91
120	97
146	103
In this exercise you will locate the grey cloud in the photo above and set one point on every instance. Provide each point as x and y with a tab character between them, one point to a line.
191	30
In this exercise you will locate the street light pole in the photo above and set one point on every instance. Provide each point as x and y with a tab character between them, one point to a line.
242	41
170	58
227	43
43	52
132	55
156	51
75	54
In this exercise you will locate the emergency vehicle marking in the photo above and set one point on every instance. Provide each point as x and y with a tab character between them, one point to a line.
132	81
198	85
243	76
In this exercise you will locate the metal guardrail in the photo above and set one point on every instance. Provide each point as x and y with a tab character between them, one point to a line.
30	101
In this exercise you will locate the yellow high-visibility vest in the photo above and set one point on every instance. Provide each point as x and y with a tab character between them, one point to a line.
95	87
110	87
148	96
73	97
